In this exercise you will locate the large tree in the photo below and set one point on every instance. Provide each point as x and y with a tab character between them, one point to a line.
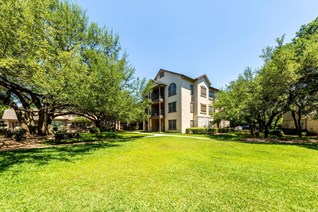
52	62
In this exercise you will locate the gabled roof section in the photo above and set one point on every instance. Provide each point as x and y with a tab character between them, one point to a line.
171	72
204	76
9	114
184	76
158	83
213	89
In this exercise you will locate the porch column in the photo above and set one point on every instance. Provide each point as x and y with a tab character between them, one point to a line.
159	111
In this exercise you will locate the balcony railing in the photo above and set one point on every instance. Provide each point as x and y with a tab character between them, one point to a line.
156	96
156	113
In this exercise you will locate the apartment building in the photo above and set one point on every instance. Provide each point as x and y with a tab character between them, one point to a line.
307	122
180	102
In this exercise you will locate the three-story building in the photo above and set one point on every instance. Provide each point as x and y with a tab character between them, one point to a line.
180	102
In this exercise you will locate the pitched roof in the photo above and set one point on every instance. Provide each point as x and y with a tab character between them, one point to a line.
184	76
9	114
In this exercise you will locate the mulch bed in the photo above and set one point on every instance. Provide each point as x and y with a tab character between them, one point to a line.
281	141
30	142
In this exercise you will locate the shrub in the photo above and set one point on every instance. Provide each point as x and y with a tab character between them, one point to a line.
93	130
213	131
2	131
197	130
8	133
19	133
278	133
225	130
311	134
59	136
292	131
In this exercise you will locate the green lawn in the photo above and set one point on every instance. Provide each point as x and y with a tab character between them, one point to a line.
160	173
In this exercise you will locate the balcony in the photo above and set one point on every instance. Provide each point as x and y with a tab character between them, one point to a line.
156	115
156	98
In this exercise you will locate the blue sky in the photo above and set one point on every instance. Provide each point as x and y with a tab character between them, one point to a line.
194	37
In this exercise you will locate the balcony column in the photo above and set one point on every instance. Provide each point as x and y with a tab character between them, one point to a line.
159	110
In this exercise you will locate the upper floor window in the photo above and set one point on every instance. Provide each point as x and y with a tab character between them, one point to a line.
211	95
172	90
172	107
203	108
203	91
191	107
162	74
191	89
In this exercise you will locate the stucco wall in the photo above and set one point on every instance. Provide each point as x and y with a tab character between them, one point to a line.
202	119
308	123
186	114
183	99
167	79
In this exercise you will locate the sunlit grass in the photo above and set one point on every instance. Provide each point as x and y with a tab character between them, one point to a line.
160	173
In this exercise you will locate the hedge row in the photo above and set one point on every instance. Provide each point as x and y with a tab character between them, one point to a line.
201	130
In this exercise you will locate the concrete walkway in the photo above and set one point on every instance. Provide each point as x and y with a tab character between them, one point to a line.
171	135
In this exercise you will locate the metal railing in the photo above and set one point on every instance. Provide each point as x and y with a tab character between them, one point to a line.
156	96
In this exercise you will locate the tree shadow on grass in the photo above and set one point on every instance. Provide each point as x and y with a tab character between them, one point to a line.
241	138
45	156
102	137
229	137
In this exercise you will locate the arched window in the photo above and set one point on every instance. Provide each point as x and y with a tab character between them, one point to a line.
172	90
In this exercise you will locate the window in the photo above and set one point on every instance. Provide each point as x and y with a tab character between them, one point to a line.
203	108
210	110
203	91
172	90
191	89
172	107
162	74
191	107
191	123
211	95
172	124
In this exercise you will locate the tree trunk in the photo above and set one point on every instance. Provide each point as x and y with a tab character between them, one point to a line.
26	119
45	119
300	134
266	132
277	119
297	122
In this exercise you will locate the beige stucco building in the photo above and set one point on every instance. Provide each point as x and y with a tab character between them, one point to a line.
180	102
306	123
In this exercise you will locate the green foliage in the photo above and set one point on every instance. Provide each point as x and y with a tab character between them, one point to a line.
8	133
278	133
197	130
19	134
53	61
287	81
78	120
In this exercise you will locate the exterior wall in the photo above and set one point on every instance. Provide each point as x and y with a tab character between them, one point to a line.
187	98
307	123
167	79
201	119
312	125
11	124
183	99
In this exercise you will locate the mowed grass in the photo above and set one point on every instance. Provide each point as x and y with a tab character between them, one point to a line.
160	173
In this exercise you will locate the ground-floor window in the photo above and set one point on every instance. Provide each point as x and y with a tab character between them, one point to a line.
191	123
172	124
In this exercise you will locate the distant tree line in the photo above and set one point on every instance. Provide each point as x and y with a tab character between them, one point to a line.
287	81
53	61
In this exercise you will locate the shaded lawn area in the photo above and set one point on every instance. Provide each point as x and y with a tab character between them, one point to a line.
160	173
98	137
